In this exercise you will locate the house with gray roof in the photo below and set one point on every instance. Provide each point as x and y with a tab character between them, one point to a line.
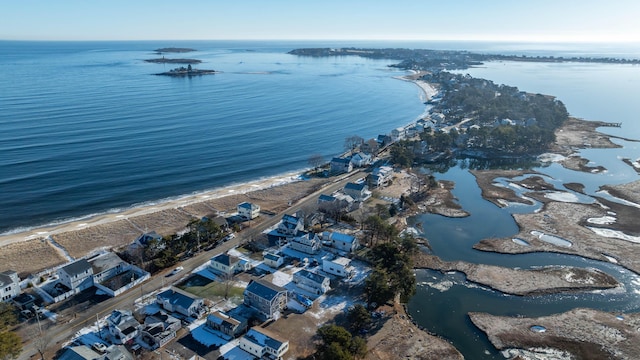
273	260
77	276
159	329
83	352
307	243
122	326
268	299
231	326
361	159
340	241
106	266
263	344
9	285
248	210
358	191
290	225
181	302
312	282
340	165
224	264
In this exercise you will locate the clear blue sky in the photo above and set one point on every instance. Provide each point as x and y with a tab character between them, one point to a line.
518	20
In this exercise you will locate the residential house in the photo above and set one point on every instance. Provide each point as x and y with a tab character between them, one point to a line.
159	329
358	191
248	210
148	238
337	202
340	165
123	326
263	344
384	140
340	241
273	260
77	276
225	264
339	266
361	159
219	220
312	282
181	302
84	352
265	297
398	134
9	285
290	225
24	301
307	243
106	266
380	176
226	324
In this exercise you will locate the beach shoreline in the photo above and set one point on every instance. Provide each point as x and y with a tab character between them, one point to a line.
82	222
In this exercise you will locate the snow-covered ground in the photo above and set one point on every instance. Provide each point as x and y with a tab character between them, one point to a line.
610	233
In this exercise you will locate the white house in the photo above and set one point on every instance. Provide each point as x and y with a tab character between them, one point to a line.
340	241
77	276
290	225
182	302
249	210
397	134
339	266
340	165
263	344
360	159
225	264
123	326
358	191
9	285
312	282
380	176
273	260
306	242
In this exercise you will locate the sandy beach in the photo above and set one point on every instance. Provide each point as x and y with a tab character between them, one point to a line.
44	247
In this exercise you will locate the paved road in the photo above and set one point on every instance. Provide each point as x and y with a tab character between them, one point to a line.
65	329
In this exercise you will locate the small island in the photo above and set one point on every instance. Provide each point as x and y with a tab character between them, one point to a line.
187	72
173	50
164	60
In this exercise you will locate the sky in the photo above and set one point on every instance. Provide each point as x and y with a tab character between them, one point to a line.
501	20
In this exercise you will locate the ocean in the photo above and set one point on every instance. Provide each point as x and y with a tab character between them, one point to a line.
86	128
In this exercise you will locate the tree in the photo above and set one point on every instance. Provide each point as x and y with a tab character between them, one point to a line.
353	142
338	344
40	339
315	161
8	316
358	317
377	287
10	345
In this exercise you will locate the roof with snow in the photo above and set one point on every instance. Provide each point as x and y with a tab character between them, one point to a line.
264	289
259	336
317	278
336	236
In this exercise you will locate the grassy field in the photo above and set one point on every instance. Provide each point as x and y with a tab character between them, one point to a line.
209	289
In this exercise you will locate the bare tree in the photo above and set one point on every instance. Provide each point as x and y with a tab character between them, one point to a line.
353	142
227	284
40	338
373	146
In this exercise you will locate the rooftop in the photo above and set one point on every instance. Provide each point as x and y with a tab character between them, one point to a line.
264	289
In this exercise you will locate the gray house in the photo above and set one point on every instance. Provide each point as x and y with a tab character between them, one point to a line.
181	302
265	297
77	276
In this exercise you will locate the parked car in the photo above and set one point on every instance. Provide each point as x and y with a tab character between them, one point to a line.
177	270
228	237
99	347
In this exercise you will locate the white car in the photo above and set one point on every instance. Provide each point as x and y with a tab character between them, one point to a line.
177	270
100	347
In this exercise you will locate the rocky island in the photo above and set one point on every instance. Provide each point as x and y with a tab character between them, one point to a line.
187	72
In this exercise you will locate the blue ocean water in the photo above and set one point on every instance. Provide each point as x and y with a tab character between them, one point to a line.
86	128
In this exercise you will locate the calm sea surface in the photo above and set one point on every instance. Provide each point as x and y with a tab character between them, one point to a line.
85	128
